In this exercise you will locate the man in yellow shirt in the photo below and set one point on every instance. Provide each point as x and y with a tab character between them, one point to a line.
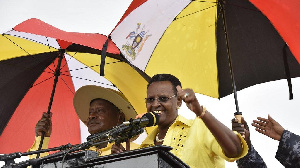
202	142
99	109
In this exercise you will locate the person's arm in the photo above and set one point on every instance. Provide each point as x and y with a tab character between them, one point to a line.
288	153
252	159
229	142
43	125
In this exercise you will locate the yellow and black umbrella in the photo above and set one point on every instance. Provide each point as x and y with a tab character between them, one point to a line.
191	40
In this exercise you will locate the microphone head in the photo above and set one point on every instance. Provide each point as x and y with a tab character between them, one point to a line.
152	117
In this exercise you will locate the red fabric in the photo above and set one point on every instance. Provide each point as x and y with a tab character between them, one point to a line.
63	44
36	26
285	16
19	133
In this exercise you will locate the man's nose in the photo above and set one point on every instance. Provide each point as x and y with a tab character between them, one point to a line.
92	116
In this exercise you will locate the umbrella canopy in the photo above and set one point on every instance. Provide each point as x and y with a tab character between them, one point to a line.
187	39
29	57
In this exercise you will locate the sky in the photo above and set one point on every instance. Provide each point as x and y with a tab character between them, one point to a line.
100	16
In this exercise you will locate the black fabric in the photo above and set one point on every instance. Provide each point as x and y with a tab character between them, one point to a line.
287	71
255	46
17	76
103	55
288	152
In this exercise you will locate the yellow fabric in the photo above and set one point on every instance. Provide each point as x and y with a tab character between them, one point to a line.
12	47
107	149
188	49
102	152
194	144
36	144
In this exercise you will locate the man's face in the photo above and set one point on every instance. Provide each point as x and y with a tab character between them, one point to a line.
167	109
103	115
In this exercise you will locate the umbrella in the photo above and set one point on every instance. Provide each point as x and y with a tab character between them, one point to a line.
30	54
190	40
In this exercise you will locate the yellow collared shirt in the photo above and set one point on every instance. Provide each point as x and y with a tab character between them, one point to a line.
194	144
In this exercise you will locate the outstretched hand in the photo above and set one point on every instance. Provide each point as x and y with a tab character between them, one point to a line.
268	127
44	125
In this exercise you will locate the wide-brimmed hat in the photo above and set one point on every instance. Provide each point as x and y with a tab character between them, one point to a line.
86	94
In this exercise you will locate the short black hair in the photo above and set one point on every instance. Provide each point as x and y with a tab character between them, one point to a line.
166	77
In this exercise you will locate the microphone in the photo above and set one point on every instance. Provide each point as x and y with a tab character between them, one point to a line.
147	120
127	129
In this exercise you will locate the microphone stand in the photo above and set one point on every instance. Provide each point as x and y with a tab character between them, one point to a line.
118	134
9	158
64	151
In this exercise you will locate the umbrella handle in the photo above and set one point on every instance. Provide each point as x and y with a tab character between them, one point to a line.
238	116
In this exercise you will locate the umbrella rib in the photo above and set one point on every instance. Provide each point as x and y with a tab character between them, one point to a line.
43	81
16	44
88	80
176	18
50	68
92	66
48	43
66	84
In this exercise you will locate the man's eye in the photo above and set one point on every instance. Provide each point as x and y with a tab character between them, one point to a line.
150	99
99	110
163	99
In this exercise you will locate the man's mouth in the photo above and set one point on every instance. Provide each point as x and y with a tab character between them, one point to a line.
158	112
92	123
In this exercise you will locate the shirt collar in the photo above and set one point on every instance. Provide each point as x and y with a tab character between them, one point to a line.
150	138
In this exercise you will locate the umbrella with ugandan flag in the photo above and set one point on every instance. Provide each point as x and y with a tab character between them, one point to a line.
41	68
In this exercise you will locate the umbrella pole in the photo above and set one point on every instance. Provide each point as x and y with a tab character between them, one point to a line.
103	55
56	74
237	114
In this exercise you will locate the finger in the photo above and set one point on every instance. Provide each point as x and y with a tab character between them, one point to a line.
139	115
271	119
261	131
238	129
238	125
261	123
262	119
258	126
246	126
234	120
43	123
114	149
180	92
179	89
41	129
